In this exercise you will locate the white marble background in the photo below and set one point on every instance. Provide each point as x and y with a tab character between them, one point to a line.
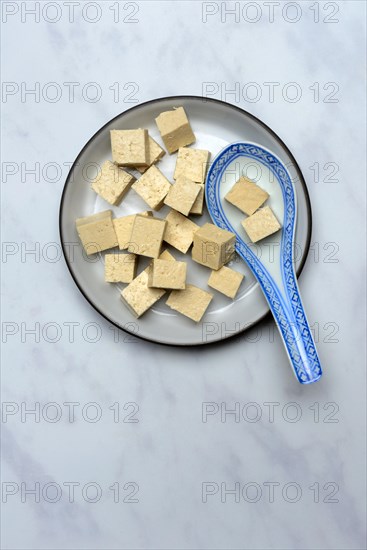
170	452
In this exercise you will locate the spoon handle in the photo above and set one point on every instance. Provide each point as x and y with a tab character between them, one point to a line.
290	317
298	339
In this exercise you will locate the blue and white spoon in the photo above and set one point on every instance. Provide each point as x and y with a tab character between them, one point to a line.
272	260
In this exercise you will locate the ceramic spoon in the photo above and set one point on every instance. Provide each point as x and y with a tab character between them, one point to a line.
275	273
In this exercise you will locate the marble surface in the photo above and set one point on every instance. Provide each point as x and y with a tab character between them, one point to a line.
286	470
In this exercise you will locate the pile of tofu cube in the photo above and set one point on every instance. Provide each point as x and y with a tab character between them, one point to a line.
143	234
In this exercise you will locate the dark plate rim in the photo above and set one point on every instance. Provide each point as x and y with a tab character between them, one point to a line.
178	98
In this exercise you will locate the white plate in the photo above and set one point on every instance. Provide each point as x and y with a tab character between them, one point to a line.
215	124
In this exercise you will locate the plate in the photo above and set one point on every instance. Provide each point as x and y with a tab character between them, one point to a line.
215	124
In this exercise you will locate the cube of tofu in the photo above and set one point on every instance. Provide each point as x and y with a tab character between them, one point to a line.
147	236
175	129
123	227
247	196
226	280
137	296
192	163
130	147
155	153
167	274
96	232
153	187
165	255
182	195
191	302
213	247
198	206
112	183
120	268
261	224
179	231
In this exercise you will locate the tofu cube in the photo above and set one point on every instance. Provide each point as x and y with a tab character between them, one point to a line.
96	232
165	255
247	196
153	187
167	274
192	163
155	153
129	147
191	302
213	247
147	236
123	227
137	296
198	206
179	231
182	195
112	183
226	280
120	268
261	224
175	129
